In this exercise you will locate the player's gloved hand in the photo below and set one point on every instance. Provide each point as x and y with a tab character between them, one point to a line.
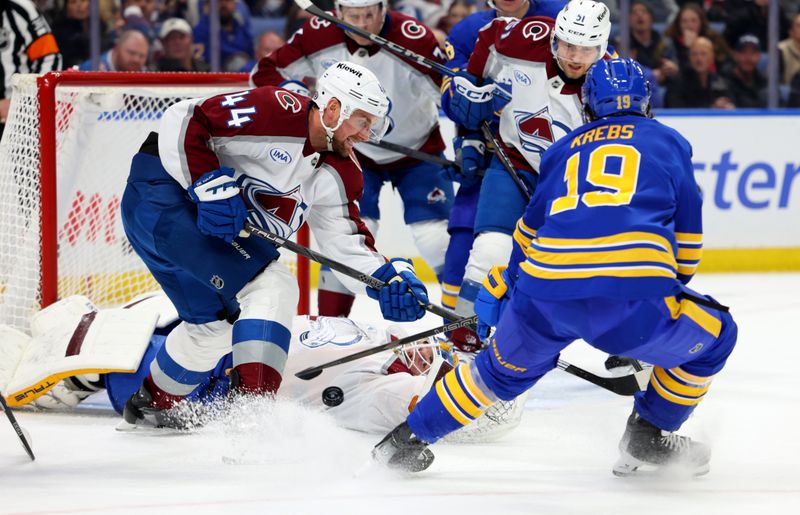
220	210
470	156
471	104
402	297
295	86
500	102
491	300
70	392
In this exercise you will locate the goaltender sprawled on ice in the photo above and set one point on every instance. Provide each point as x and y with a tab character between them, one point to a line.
76	349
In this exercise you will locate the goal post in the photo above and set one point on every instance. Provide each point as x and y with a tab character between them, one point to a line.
64	161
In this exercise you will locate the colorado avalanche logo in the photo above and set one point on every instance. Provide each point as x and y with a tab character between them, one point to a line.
535	130
316	23
276	211
288	101
436	195
412	29
535	30
337	331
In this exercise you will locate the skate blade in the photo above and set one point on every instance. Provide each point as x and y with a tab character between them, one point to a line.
628	466
148	430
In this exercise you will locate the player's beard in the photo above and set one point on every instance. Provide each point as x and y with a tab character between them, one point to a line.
342	148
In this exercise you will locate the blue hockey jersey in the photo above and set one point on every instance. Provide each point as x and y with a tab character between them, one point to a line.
616	213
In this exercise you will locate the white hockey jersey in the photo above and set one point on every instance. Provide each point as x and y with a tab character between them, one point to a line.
413	90
544	105
263	135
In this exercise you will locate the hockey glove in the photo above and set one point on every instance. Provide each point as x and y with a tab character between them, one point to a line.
492	299
295	86
471	104
402	297
470	157
220	210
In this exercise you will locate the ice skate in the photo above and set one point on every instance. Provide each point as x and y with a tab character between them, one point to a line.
401	450
140	413
647	447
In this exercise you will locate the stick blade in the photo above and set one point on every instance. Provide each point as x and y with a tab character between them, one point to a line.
308	373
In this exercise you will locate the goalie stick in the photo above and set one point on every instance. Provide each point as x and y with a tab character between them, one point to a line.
17	428
626	385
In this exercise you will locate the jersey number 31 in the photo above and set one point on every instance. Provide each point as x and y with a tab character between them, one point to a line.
621	186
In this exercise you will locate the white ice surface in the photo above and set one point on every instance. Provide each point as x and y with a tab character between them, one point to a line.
287	460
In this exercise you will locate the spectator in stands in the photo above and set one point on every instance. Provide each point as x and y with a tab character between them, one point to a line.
662	11
265	44
296	17
699	85
750	17
794	91
236	42
178	53
129	54
790	52
748	86
647	45
138	15
457	11
26	46
71	29
688	25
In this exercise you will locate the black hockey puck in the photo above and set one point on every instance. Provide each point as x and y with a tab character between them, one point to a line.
332	396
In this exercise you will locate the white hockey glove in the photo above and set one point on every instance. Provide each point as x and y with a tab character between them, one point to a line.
70	392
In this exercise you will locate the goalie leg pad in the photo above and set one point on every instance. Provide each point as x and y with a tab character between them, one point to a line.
261	335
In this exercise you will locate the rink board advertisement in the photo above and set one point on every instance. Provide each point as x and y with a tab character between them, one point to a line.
748	165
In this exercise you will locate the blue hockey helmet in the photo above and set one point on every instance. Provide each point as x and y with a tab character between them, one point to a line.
614	87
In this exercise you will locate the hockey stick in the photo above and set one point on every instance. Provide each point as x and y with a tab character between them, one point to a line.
501	155
416	154
312	372
624	385
367	279
17	428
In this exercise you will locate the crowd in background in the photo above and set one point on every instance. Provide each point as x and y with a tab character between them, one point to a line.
699	54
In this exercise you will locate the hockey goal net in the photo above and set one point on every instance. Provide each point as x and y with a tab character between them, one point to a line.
64	160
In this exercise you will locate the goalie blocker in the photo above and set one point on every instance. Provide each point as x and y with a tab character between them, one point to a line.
385	386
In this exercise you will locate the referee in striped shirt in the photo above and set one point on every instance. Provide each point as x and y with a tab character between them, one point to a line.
26	46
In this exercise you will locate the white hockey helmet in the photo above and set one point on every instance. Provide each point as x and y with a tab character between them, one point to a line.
359	3
356	88
583	23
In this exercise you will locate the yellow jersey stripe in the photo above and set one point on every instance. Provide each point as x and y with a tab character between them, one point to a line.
678	388
686	269
686	254
449	405
624	238
461	398
707	321
589	272
466	376
602	257
670	396
527	231
690	238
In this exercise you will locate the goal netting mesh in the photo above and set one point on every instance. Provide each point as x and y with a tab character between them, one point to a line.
98	130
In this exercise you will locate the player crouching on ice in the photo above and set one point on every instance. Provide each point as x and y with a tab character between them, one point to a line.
279	159
603	253
119	346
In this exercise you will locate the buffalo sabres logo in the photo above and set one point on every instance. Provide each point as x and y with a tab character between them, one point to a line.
412	29
449	51
316	23
535	30
288	101
280	212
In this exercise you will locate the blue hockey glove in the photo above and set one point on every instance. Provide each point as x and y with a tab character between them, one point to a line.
471	104
470	155
491	300
220	210
499	102
295	86
402	298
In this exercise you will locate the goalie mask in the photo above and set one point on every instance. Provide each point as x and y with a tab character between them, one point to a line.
421	357
357	89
